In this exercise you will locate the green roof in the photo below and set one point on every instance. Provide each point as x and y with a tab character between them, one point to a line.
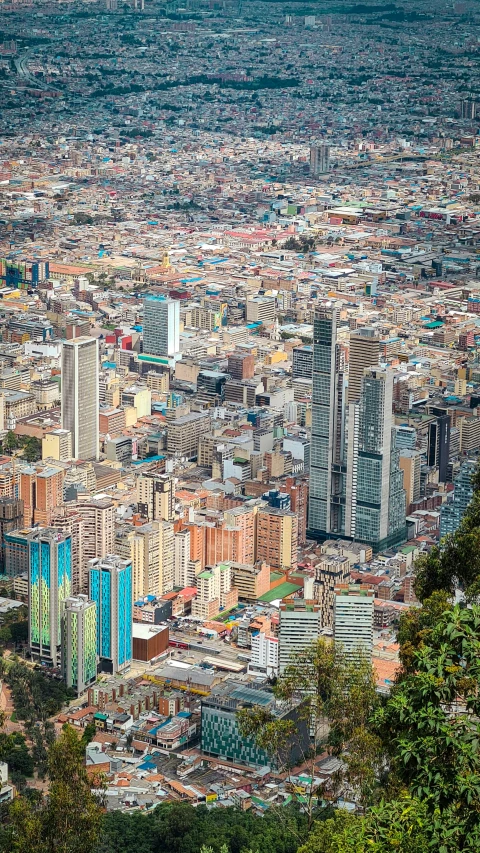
275	576
280	591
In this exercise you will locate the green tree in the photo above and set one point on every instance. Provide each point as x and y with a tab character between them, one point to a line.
416	625
10	442
337	697
69	820
431	727
32	450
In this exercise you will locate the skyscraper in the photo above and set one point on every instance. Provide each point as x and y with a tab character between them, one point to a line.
327	454
79	643
49	580
110	583
356	485
319	159
161	326
99	527
80	395
376	503
364	352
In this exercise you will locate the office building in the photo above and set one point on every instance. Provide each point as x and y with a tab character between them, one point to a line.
277	537
364	352
302	362
156	496
319	159
220	732
438	448
375	498
452	512
110	587
79	643
57	444
299	626
184	432
80	395
241	365
353	619
50	584
11	518
260	309
161	327
327	452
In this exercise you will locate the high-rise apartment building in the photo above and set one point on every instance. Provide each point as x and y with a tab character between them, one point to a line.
80	395
41	491
69	521
111	588
410	462
277	537
353	619
298	491
161	326
319	159
183	564
99	527
332	571
156	496
151	551
79	643
11	518
50	584
299	626
364	352
214	591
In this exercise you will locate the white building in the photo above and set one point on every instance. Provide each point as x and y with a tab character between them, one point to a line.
299	626
161	326
353	619
80	395
264	659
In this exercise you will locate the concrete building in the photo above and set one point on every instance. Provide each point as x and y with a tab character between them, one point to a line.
299	626
353	619
364	352
329	574
183	433
71	522
161	326
411	464
80	395
319	157
156	496
452	512
99	526
264	660
277	538
11	518
57	444
215	592
79	643
261	309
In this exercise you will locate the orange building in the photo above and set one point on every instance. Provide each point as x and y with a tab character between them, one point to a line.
298	491
41	491
277	537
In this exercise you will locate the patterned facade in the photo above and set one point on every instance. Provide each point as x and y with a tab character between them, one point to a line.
50	580
111	588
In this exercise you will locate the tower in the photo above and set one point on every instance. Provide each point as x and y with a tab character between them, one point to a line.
80	395
327	463
49	581
353	619
79	643
110	584
319	159
161	326
364	352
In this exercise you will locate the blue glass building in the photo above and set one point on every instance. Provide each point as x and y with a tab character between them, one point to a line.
50	581
111	588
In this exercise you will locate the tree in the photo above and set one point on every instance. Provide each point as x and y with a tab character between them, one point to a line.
69	820
10	442
431	727
337	697
32	450
416	625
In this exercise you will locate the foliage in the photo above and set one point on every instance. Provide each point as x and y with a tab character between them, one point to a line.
431	726
337	697
181	828
416	625
35	695
69	819
14	750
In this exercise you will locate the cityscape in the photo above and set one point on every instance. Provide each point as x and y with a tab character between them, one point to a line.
239	426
